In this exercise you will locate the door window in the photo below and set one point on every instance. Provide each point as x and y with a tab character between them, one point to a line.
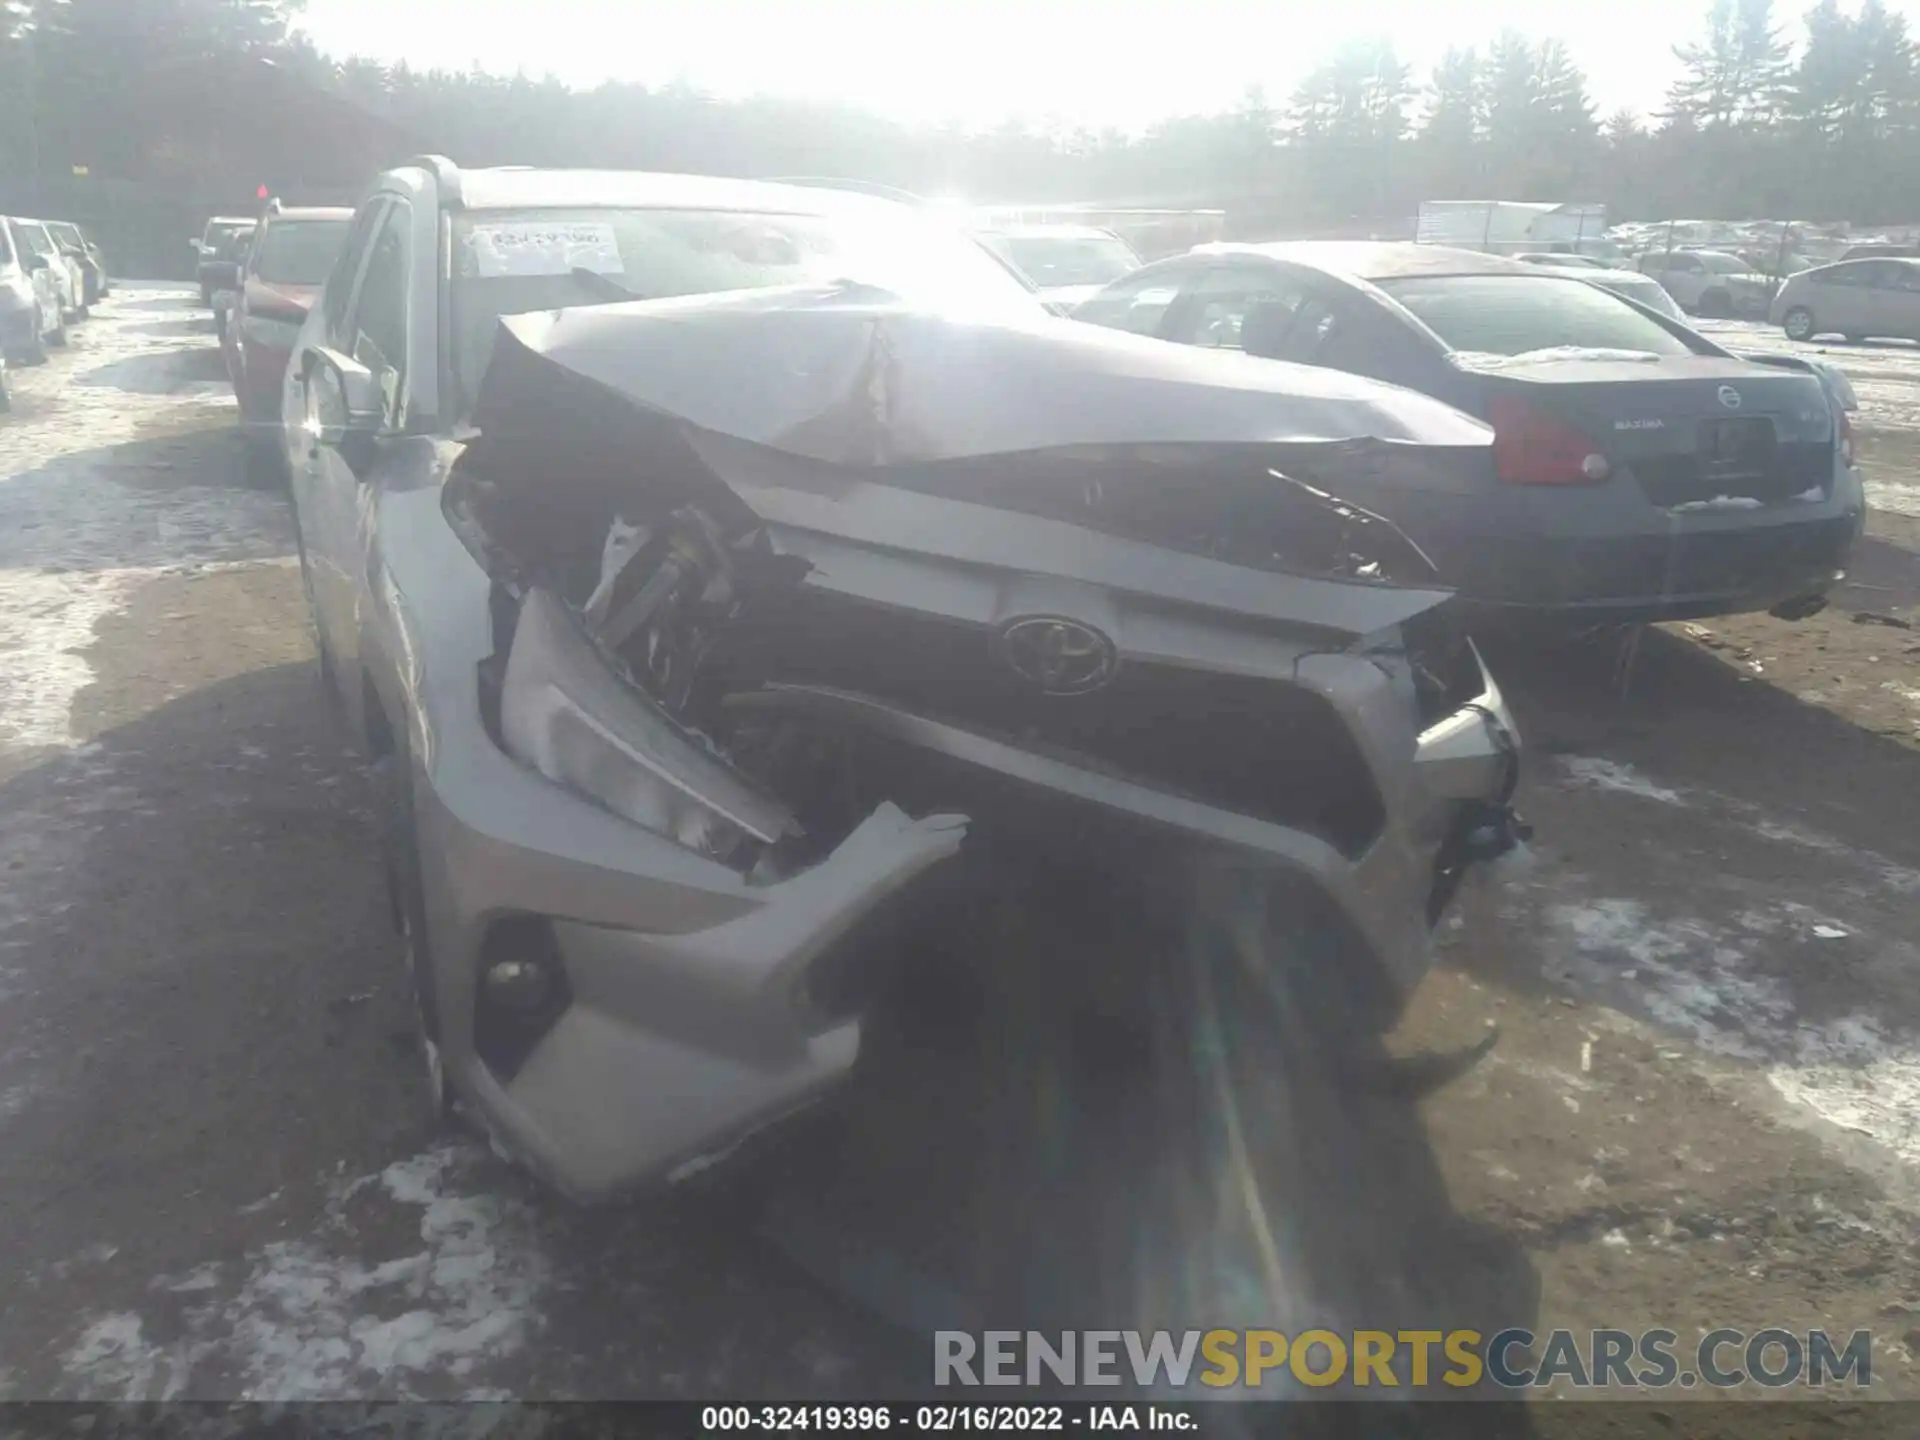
378	326
346	269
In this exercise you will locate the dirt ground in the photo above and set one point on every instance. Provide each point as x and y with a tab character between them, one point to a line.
216	1179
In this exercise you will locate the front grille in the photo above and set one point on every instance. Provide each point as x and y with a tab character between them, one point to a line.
1745	460
1267	749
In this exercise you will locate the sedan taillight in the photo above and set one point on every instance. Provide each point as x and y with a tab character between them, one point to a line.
1533	447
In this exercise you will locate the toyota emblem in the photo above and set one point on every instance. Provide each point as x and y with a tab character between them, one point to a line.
1056	655
1729	397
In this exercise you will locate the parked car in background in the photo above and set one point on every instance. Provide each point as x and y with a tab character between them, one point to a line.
1565	259
32	294
1880	250
1641	289
1712	283
1065	263
1647	291
205	247
68	277
86	255
1857	299
1639	471
229	258
279	277
643	899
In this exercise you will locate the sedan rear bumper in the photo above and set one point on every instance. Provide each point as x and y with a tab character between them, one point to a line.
1652	565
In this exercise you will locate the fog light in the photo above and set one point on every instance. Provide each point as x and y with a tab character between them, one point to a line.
524	986
1595	467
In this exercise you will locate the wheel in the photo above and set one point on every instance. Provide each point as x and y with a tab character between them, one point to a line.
1799	324
406	897
58	335
1716	305
36	353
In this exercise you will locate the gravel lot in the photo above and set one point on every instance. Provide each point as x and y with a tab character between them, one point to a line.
216	1178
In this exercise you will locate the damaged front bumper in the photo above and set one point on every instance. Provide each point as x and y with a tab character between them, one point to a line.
684	1008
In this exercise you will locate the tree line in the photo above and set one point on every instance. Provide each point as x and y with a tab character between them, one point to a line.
1817	118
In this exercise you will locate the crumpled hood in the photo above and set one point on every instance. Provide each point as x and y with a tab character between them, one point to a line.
851	377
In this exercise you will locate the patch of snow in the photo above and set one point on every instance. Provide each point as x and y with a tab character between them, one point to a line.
113	1359
75	540
1550	355
1596	773
1830	932
1858	1078
1718	502
313	1320
1688	976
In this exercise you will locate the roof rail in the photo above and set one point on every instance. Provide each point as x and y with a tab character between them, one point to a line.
860	187
445	173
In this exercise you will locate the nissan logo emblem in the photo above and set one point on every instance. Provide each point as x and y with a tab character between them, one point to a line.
1056	655
1730	397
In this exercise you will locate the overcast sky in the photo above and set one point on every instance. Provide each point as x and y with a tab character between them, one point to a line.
981	61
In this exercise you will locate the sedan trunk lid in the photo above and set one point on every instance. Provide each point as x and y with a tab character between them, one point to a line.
1691	429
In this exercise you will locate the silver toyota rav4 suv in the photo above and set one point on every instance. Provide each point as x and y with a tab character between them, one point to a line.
753	602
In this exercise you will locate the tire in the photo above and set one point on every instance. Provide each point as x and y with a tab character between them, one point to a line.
58	335
1799	324
1716	305
36	353
400	852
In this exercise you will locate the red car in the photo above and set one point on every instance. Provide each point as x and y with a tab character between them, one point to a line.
292	253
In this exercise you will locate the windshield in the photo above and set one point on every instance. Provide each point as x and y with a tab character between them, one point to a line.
299	252
1515	314
1650	293
512	262
1067	259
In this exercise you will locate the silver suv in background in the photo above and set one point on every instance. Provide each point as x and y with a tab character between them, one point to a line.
718	711
33	286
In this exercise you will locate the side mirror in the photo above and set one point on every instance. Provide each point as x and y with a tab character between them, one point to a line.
195	246
345	407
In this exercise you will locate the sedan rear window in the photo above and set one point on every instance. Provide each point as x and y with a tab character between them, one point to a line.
1515	314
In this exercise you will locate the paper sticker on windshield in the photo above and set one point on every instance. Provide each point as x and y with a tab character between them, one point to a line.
540	248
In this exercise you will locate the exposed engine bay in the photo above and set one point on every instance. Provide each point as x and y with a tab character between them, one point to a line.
787	575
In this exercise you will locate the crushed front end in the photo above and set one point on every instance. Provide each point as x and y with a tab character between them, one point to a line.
898	689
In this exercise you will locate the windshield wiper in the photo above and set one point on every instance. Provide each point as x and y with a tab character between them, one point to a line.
604	286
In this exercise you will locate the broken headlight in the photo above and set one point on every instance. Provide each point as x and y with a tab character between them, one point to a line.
565	713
